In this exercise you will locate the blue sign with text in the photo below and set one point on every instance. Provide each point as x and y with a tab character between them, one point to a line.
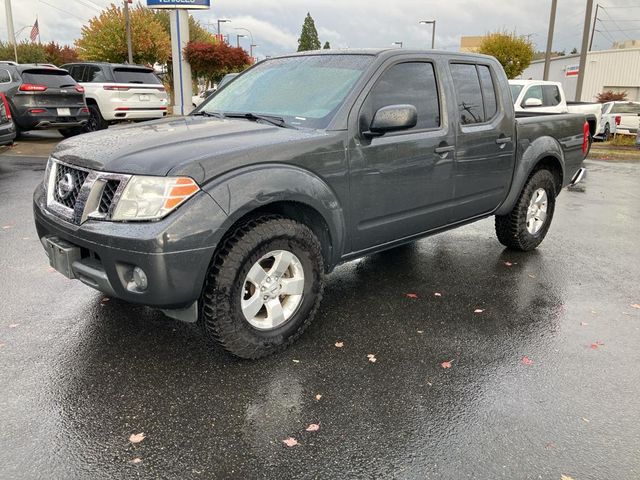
185	4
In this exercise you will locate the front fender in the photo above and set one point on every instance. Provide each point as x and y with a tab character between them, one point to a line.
244	190
532	153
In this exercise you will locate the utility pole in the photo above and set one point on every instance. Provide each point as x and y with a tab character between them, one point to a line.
10	31
433	31
127	26
583	50
552	25
593	29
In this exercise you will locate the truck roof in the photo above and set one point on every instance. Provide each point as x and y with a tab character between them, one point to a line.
533	82
384	52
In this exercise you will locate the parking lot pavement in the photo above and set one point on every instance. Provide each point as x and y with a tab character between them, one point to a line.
543	382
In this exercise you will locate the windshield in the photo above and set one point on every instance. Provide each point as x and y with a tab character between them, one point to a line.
50	78
515	91
305	91
135	75
633	108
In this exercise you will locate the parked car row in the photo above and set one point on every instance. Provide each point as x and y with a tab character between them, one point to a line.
79	97
201	97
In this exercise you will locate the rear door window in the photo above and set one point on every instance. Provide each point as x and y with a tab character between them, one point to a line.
411	83
5	76
135	75
468	93
551	94
94	74
50	78
488	92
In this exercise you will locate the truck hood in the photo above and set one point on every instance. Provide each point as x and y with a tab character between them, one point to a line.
199	147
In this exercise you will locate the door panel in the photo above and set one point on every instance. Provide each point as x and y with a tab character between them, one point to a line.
484	143
400	186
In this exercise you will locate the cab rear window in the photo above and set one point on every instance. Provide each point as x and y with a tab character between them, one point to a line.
135	75
53	78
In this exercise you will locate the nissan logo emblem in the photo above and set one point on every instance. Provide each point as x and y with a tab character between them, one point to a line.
65	186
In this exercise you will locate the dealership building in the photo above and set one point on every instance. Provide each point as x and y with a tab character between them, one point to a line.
617	70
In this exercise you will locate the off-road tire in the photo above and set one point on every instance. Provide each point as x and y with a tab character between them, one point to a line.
96	122
511	229
221	317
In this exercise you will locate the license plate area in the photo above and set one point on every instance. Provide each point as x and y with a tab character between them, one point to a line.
144	97
62	254
64	112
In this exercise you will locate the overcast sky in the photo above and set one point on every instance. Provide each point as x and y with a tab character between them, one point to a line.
275	24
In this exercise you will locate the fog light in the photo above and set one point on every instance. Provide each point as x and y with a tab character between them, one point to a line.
140	279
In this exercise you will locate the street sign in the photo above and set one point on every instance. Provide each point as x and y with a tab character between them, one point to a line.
572	71
180	4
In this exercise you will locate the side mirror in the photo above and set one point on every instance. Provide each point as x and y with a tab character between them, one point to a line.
532	102
392	118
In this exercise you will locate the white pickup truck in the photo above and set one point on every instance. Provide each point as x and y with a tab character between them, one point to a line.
542	96
621	118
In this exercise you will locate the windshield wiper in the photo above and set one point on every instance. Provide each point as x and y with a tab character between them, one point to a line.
204	113
272	119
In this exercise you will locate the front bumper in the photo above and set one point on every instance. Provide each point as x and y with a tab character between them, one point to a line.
174	252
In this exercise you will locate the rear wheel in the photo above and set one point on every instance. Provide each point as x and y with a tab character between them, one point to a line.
95	122
527	224
607	133
263	287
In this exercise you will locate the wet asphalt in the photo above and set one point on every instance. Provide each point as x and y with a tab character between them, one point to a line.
543	382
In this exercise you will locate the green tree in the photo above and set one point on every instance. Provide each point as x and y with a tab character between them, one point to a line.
197	33
326	46
104	37
512	51
309	36
28	52
574	50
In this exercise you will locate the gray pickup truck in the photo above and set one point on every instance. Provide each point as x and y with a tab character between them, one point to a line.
231	216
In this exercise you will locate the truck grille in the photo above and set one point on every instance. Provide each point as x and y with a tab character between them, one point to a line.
106	199
77	194
72	179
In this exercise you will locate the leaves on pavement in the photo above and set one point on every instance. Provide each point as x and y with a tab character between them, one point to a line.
526	361
635	305
339	344
411	295
137	437
371	357
290	442
318	397
596	344
136	460
437	294
313	427
478	310
446	364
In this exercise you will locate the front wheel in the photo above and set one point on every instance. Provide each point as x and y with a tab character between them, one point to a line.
263	287
527	224
95	122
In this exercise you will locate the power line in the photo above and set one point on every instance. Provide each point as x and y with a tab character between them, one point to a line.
90	4
613	21
63	11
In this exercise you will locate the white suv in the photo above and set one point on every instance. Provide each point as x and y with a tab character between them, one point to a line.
119	92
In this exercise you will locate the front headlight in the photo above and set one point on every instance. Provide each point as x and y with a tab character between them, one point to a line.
151	198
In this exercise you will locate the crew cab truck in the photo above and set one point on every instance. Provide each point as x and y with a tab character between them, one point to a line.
231	216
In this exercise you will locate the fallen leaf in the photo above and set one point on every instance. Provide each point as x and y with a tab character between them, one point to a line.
585	419
290	442
430	384
594	312
532	275
583	324
446	364
25	238
318	397
420	332
313	427
526	361
371	357
596	345
14	325
339	344
137	437
565	477
411	295
478	310
635	305
437	294
6	227
136	460
296	361
508	264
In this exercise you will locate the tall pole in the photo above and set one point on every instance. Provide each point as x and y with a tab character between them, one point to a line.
127	26
593	28
583	50
552	25
433	36
10	31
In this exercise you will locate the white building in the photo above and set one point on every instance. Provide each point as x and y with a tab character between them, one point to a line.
617	70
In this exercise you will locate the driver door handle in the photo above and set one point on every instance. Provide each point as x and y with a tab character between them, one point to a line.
503	140
448	148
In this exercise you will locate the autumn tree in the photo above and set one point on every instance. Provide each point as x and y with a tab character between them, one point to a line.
309	36
512	51
214	60
59	54
104	37
197	33
327	46
28	52
611	96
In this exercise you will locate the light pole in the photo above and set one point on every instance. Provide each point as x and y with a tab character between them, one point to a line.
222	20
398	43
238	37
127	27
433	31
246	30
251	49
10	31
